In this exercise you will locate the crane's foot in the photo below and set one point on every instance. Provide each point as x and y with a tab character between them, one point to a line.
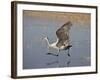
52	54
69	55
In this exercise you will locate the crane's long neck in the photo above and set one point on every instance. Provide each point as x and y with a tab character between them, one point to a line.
47	42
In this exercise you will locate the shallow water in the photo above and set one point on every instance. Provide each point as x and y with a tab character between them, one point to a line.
35	49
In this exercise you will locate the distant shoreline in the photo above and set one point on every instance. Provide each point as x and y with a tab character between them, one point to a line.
84	18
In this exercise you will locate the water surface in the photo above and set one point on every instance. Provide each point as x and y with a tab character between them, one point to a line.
35	49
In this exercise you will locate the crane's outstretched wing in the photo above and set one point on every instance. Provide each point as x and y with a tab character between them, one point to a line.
63	34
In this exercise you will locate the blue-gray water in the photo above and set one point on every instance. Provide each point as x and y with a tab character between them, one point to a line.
35	49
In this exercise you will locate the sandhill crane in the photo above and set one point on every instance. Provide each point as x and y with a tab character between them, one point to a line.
63	41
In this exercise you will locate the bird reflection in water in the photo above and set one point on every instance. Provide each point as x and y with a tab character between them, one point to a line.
57	62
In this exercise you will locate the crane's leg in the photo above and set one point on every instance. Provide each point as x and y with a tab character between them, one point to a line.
68	52
48	49
58	52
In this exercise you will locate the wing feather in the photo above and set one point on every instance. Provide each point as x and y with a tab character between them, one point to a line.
63	34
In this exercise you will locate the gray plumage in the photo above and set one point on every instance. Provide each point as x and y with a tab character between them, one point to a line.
63	34
63	42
